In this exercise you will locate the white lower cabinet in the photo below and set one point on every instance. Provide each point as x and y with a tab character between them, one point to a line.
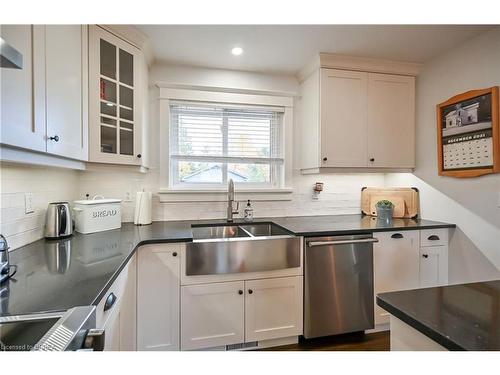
158	287
409	260
396	265
116	312
433	266
212	315
273	308
112	333
219	314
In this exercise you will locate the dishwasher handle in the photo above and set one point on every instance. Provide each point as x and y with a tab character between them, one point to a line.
341	242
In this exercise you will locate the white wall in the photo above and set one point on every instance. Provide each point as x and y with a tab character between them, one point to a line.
341	194
47	185
223	79
470	203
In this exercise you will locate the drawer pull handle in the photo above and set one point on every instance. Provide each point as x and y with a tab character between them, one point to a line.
240	292
110	301
250	291
433	238
397	235
425	255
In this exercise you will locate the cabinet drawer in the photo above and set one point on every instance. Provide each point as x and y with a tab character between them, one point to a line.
434	237
116	290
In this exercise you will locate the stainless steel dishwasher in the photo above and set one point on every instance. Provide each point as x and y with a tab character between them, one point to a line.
338	285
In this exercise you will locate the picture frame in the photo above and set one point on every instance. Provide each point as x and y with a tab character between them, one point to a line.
468	134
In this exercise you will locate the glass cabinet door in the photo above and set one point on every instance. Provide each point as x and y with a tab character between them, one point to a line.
116	68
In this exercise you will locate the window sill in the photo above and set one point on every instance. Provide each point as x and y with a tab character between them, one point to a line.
205	195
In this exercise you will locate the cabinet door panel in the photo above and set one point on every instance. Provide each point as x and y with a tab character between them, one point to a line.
66	90
396	265
158	286
18	124
128	309
433	266
391	121
115	127
112	332
274	308
212	315
343	118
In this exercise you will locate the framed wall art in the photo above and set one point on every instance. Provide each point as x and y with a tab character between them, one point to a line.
468	134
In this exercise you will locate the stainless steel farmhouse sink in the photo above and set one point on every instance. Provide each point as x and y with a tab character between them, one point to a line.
225	249
229	231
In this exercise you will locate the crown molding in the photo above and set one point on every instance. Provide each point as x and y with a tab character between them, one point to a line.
134	36
363	64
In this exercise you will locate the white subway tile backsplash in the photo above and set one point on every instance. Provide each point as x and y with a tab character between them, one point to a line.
46	184
341	195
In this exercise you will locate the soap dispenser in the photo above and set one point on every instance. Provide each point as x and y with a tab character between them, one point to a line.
248	213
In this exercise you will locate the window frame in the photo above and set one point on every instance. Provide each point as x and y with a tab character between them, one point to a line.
170	192
275	162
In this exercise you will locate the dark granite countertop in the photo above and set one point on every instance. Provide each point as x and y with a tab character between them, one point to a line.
58	275
458	317
349	224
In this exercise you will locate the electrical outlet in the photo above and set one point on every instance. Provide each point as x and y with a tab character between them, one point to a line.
28	203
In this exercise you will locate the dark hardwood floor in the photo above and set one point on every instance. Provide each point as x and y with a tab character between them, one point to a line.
378	341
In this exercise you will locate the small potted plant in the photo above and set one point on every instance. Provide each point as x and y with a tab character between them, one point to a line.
385	210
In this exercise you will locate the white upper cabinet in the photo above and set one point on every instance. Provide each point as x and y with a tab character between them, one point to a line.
115	90
391	121
66	90
17	92
354	118
343	126
44	104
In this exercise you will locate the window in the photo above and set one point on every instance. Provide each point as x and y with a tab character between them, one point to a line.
211	143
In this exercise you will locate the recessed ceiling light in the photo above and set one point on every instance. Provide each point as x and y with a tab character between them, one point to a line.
237	51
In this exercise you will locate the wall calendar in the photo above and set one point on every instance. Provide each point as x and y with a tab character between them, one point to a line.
468	134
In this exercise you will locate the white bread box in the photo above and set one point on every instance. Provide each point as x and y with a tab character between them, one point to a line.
97	215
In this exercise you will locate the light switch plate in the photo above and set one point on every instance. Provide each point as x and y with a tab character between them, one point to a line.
28	203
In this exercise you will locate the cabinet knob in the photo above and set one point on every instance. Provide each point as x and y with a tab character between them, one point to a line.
425	255
54	138
174	254
250	291
139	156
372	159
325	159
110	301
240	292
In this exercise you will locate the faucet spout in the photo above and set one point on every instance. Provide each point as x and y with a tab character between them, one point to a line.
230	190
230	200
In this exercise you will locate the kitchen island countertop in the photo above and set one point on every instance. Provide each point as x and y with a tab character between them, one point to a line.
458	317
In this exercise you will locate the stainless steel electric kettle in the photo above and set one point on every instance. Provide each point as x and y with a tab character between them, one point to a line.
58	221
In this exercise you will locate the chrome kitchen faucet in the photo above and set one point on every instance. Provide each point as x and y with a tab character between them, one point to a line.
230	200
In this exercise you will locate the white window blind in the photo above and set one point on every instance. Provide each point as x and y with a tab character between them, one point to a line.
210	143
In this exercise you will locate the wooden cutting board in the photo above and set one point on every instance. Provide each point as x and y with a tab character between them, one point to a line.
409	196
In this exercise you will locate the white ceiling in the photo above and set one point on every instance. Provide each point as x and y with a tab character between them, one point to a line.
287	48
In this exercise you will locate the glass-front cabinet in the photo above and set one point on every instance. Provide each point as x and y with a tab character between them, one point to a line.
114	108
